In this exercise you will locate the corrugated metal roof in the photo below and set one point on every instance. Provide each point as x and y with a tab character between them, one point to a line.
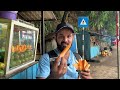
36	15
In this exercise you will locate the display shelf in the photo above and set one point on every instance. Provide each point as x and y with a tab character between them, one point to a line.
19	44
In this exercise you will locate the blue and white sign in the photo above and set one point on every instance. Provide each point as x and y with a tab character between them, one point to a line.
83	22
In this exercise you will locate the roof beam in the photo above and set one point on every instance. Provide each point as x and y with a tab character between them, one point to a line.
41	20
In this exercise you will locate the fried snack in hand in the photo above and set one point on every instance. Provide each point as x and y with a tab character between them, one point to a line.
62	54
82	65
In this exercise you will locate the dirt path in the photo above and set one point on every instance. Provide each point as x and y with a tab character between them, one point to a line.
106	69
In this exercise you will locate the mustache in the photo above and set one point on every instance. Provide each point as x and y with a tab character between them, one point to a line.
64	43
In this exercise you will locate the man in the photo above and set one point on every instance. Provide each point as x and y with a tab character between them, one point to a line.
61	68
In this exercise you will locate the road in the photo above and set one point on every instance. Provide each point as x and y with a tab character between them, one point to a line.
108	68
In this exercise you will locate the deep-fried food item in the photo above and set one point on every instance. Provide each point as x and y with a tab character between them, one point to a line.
82	65
65	50
62	54
87	66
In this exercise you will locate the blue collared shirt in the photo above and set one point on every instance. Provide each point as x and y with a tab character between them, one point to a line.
44	67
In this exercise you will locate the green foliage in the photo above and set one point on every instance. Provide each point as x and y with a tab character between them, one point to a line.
75	29
50	26
98	20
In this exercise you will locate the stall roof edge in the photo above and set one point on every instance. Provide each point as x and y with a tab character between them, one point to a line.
36	15
95	33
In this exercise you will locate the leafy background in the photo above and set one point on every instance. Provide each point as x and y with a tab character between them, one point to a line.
99	21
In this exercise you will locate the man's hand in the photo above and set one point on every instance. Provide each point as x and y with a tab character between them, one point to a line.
58	70
86	74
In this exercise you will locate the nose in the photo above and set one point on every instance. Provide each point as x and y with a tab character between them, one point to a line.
65	39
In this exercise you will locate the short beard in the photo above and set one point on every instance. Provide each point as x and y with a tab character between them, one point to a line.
60	47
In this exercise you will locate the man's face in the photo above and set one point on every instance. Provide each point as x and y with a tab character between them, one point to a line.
63	38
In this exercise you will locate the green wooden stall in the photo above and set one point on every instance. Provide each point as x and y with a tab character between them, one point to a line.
89	52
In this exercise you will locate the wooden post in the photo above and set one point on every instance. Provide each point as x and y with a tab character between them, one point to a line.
117	35
42	33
